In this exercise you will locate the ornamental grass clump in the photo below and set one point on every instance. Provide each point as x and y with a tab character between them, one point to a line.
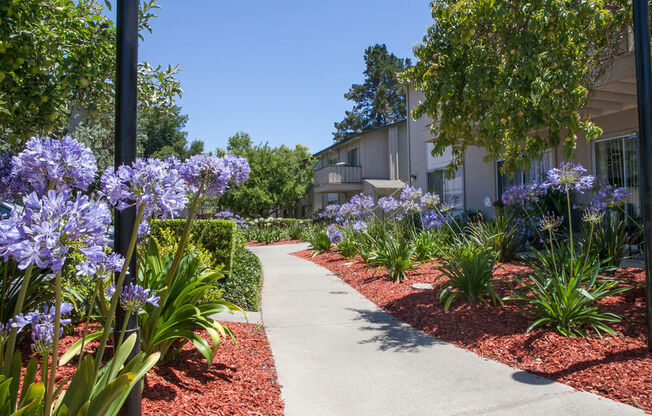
321	240
500	234
395	257
469	269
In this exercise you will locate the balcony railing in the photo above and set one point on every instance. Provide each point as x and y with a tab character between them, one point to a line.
338	174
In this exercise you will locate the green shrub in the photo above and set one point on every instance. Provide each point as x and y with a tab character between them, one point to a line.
319	242
218	237
348	247
610	240
500	234
395	257
469	269
565	297
427	245
242	286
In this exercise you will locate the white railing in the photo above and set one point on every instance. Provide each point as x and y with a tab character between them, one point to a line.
338	174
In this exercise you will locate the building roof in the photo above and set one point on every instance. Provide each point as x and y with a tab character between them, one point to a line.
386	183
356	135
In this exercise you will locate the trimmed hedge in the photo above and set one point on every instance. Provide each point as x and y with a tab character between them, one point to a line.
242	286
219	237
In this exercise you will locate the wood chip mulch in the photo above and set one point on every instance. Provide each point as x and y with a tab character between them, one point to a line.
241	381
619	367
275	243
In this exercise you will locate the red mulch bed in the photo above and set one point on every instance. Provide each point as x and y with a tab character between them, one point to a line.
275	243
619	367
241	381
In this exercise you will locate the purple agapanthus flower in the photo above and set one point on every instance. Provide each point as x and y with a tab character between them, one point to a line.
65	163
228	215
388	204
359	207
43	232
42	326
153	184
214	172
607	197
133	297
359	226
569	177
334	234
522	193
330	211
99	264
410	199
432	220
239	167
430	201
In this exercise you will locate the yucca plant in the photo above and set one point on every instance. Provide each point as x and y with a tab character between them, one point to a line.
469	269
395	257
565	299
500	234
319	241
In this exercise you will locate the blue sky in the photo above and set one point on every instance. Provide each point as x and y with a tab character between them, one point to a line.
279	69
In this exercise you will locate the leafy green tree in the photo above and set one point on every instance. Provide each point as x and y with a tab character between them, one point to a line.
57	62
279	177
380	99
511	76
161	134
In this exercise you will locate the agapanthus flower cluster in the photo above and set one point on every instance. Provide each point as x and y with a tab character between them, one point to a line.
153	184
359	226
550	222
11	187
359	207
569	177
608	197
330	211
528	192
43	232
66	163
99	264
42	326
334	234
215	173
593	215
133	297
410	199
432	220
228	215
430	201
388	204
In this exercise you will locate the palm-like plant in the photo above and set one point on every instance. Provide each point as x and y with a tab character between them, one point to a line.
427	244
469	269
319	241
500	234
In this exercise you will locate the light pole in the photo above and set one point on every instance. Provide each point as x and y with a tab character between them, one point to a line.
125	154
642	52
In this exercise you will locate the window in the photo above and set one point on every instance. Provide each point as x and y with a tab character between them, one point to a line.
616	162
535	173
451	191
352	157
333	198
333	160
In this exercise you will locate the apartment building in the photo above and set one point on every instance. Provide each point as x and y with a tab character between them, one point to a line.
374	162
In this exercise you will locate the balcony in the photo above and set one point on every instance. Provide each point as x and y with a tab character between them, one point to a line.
342	178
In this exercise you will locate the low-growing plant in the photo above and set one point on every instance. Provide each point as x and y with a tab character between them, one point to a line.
319	241
500	234
348	247
565	299
470	269
395	257
427	245
242	286
610	240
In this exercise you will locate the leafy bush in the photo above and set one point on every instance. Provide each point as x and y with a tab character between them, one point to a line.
184	311
427	245
610	240
348	247
500	234
319	241
242	286
469	269
565	298
395	257
218	237
269	230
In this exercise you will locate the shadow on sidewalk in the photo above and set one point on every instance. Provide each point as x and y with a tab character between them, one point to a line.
391	334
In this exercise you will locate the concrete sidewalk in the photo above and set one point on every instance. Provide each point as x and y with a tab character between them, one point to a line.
337	353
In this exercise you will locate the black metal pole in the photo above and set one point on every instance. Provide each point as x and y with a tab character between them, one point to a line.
642	52
125	154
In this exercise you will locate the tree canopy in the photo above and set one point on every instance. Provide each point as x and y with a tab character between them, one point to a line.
57	60
511	76
279	177
380	99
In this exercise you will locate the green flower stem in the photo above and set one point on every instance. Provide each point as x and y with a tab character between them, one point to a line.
49	393
552	250
177	256
11	343
570	224
88	318
44	370
588	248
120	339
118	287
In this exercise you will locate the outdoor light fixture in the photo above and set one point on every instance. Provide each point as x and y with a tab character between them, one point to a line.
642	53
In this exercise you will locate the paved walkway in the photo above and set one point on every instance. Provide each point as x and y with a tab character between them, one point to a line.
337	353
